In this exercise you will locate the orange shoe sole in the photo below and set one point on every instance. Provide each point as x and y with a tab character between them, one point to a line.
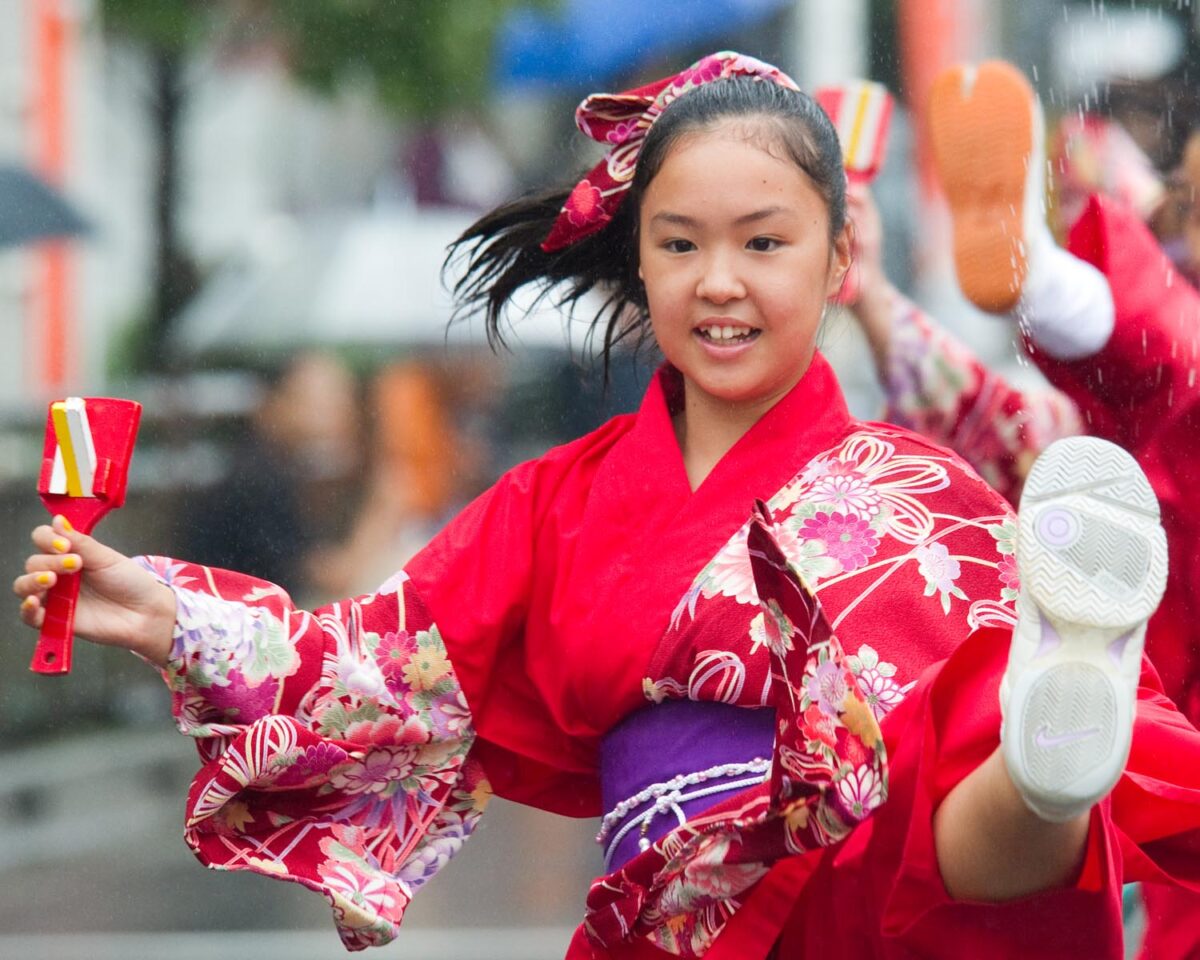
981	129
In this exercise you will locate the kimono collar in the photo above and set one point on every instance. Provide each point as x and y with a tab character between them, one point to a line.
811	417
646	534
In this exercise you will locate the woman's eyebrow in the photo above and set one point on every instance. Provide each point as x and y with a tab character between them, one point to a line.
677	219
682	220
762	214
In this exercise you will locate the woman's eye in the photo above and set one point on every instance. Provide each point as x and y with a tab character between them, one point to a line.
763	244
679	246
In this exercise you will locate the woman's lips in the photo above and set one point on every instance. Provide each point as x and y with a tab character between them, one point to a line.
725	341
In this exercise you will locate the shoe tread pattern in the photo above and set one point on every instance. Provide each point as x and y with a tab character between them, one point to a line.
1071	700
1115	572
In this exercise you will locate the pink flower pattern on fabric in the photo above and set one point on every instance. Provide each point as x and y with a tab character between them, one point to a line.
358	785
847	490
314	761
855	520
941	572
620	133
877	681
394	651
1010	577
585	204
861	790
828	687
379	770
848	539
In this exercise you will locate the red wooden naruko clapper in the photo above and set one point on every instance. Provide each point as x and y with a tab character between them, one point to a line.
114	425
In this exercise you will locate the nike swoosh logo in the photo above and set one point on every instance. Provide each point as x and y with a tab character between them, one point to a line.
1047	742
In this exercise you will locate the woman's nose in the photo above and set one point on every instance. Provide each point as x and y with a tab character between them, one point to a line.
719	281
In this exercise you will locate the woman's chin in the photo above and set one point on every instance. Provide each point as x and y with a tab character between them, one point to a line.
745	387
736	391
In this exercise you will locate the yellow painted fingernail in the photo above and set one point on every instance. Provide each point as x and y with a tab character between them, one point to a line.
70	563
43	579
27	603
66	524
61	545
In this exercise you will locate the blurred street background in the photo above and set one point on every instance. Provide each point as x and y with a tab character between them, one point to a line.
235	212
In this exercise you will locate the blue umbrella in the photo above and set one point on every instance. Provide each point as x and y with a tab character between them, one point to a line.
31	210
594	41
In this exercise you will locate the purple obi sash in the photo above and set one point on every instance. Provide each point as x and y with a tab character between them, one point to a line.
672	760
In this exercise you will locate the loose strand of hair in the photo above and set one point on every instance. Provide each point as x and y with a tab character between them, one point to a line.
502	254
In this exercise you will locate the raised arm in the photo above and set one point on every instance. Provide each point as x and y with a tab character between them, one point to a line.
934	384
937	386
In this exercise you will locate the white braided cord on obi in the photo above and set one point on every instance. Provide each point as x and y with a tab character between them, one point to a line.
668	796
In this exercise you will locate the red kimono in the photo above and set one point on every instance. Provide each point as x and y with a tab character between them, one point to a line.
351	749
1140	391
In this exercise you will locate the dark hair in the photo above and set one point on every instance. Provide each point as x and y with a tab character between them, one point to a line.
503	248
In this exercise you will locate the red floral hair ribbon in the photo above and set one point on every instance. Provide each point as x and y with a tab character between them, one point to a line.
623	120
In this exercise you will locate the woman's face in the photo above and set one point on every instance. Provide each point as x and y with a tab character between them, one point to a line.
735	256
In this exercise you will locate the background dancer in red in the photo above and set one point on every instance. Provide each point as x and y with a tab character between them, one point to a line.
809	721
932	381
1113	324
935	384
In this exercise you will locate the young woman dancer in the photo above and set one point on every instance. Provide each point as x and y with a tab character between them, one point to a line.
617	628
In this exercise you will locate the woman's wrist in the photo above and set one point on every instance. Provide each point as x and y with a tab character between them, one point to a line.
875	293
874	309
158	635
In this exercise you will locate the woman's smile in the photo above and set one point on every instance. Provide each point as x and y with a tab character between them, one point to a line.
724	337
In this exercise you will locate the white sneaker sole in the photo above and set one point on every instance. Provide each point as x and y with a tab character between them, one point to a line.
1093	564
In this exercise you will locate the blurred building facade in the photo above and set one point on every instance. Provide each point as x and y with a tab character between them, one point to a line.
75	107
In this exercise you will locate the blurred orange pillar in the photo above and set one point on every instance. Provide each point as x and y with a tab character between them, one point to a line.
933	35
53	339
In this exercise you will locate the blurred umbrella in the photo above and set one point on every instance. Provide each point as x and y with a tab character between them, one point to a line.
593	41
371	279
31	210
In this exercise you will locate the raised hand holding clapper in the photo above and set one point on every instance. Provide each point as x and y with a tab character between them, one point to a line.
85	466
861	112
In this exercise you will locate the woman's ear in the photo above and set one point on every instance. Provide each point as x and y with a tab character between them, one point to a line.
840	260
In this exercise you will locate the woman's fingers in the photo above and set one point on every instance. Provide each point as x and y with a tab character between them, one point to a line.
32	611
54	563
43	538
42	570
64	550
32	587
34	583
61	538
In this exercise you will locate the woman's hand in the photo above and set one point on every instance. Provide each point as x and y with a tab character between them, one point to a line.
875	294
868	239
121	604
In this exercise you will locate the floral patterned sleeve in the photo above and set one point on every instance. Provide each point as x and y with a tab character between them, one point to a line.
936	386
335	744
